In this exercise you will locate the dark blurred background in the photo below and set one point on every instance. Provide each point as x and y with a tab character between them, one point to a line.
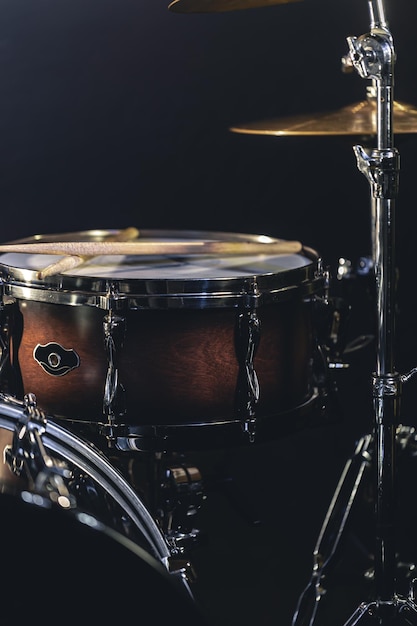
117	112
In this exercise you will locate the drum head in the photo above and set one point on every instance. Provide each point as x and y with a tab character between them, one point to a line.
162	280
71	565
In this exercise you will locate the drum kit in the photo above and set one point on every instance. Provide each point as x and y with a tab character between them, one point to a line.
121	351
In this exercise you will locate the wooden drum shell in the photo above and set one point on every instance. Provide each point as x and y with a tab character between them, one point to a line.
177	362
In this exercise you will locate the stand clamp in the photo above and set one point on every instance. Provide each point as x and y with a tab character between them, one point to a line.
381	168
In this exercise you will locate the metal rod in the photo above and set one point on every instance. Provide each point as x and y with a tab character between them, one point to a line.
373	56
376	9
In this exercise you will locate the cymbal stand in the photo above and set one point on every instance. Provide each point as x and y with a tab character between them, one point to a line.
373	56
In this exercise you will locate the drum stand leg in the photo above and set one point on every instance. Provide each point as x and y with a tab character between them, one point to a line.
335	526
332	531
373	56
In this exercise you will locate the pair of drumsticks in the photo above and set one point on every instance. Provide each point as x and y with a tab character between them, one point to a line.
127	242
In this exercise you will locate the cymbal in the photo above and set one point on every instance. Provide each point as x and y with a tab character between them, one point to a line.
356	119
220	6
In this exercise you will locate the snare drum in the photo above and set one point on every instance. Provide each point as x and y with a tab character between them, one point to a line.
167	351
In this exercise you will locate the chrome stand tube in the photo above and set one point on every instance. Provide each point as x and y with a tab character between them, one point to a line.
373	56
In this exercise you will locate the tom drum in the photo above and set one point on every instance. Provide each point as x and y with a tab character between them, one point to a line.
76	536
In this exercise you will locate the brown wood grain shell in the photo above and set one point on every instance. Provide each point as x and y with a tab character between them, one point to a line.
176	366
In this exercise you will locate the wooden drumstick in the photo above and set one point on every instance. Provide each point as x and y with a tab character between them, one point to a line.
98	248
70	261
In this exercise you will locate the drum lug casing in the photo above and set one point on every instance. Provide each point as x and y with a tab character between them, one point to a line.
247	337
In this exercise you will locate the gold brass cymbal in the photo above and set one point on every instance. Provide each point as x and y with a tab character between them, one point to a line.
220	6
356	119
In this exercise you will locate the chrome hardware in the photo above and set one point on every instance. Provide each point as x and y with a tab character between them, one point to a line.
27	455
114	328
182	568
181	497
4	333
247	337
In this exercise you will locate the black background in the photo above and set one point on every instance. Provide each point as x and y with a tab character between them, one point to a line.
117	112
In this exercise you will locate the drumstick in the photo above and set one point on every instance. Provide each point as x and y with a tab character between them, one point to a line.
98	248
70	261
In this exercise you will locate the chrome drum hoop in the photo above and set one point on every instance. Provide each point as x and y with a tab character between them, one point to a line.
162	283
93	463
